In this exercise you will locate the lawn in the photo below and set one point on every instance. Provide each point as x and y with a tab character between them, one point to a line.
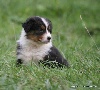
77	39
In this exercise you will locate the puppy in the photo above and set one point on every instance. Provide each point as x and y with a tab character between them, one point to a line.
35	44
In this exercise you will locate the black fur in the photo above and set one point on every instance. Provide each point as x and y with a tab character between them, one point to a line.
33	24
54	59
19	62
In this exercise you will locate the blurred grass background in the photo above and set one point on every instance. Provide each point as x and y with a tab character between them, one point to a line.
82	49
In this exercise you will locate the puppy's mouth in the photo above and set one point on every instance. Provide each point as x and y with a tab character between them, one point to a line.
44	42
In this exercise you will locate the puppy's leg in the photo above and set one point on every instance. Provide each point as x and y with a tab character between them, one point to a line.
19	62
19	48
55	58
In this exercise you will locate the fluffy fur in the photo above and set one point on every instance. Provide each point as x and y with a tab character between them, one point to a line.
35	44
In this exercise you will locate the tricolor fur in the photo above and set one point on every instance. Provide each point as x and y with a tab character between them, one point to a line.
35	44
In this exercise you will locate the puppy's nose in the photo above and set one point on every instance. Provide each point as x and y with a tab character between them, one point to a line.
48	38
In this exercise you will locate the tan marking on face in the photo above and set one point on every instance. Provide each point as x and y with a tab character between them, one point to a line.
35	38
32	37
40	38
43	27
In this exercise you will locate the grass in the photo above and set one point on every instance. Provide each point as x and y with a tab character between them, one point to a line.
82	49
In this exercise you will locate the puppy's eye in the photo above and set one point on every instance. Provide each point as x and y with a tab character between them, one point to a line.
49	28
41	31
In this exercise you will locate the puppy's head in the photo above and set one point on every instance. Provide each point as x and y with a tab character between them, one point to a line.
38	29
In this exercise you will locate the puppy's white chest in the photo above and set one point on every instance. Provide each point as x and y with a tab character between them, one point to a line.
34	54
32	51
38	54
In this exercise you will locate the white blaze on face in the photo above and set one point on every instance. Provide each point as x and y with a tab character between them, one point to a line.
47	34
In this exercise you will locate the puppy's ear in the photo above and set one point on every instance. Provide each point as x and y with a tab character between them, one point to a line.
28	24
